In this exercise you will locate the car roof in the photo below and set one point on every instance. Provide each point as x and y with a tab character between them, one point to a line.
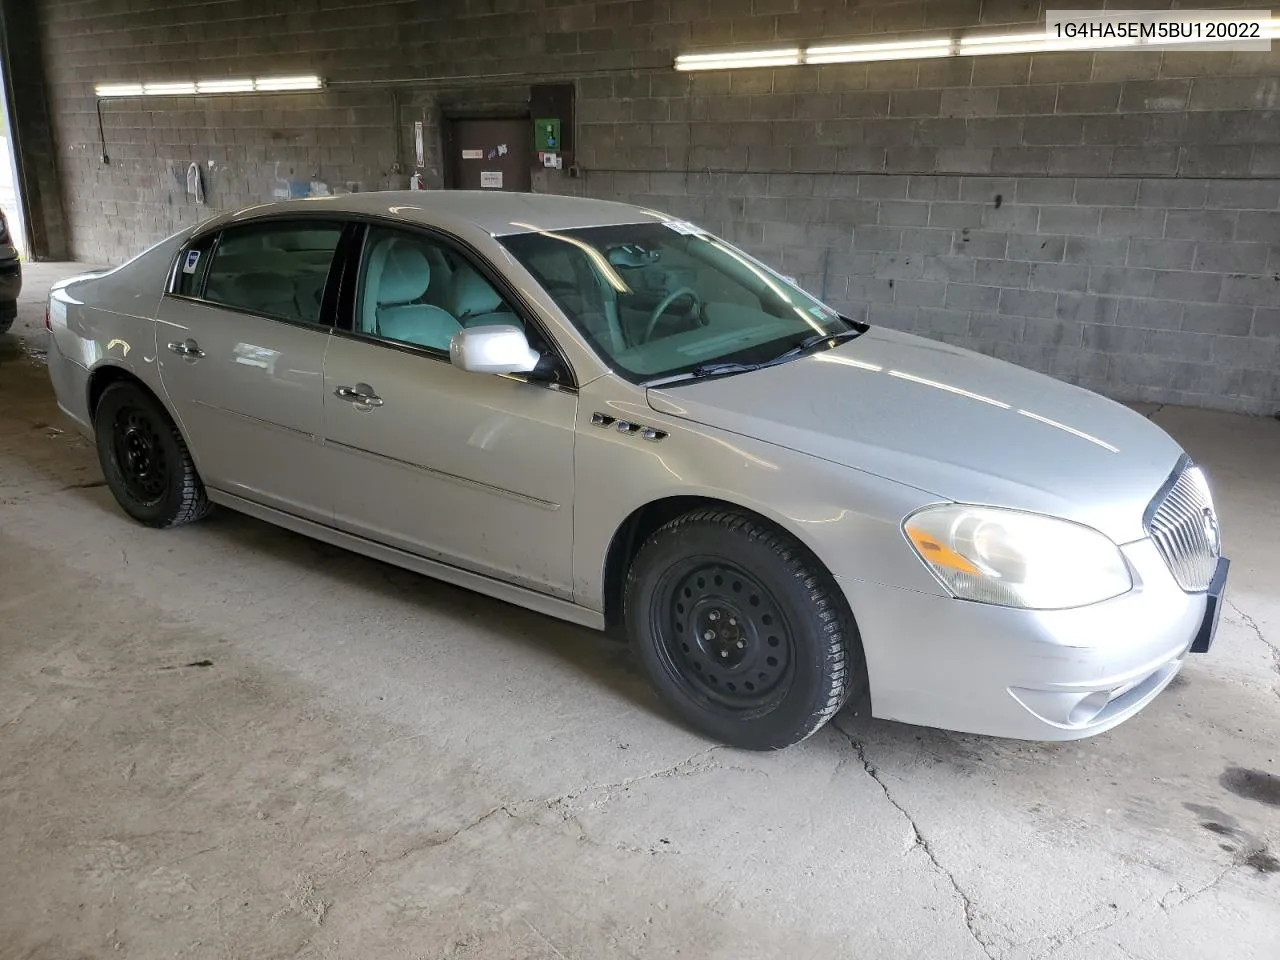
496	212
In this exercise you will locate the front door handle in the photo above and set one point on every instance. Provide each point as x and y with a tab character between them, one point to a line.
187	348
361	395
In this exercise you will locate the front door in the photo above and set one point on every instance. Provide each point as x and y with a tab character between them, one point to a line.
241	353
489	155
472	469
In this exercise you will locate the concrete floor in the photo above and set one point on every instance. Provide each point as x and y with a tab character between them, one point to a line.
226	741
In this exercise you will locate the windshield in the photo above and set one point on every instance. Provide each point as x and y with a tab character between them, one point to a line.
659	299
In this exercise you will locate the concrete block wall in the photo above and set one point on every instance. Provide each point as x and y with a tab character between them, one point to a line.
1112	219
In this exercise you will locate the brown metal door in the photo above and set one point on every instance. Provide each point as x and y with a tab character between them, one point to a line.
490	155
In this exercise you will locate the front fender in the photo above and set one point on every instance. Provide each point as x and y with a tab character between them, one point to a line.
850	520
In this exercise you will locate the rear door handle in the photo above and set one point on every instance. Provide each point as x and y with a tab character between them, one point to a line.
361	395
187	348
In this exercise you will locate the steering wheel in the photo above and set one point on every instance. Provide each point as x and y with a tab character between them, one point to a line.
665	305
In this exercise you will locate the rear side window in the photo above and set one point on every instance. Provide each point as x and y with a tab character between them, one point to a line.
192	268
274	269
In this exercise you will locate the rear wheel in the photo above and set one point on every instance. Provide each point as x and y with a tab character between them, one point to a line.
740	631
144	459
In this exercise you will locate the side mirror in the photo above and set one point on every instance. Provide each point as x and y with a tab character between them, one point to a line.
492	349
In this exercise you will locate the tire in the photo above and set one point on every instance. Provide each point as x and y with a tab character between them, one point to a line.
145	460
785	655
7	316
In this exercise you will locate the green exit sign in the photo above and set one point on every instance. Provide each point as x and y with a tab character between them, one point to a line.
546	135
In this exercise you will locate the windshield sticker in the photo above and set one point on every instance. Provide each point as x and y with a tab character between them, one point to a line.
193	258
684	228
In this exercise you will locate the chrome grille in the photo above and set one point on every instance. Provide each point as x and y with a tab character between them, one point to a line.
1185	530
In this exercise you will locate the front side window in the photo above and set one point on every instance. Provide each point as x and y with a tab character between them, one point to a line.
656	300
417	291
273	269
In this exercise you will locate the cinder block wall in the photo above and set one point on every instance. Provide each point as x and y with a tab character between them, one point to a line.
1112	219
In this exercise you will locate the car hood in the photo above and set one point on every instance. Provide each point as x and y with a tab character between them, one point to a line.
957	424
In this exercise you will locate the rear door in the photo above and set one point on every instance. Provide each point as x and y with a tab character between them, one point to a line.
241	342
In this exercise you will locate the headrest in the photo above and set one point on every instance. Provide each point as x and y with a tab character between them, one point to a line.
406	274
472	295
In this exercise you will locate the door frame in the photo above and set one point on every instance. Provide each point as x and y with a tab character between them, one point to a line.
449	118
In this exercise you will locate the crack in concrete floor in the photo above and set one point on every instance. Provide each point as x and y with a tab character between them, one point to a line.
1057	941
1252	624
519	809
968	910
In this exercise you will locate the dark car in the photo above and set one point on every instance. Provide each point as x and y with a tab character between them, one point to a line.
10	277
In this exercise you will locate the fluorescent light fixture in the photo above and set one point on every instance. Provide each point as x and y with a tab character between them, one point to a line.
118	90
734	59
1040	37
1033	43
978	45
189	88
863	52
224	86
287	83
168	89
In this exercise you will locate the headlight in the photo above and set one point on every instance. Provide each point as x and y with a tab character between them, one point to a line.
1017	559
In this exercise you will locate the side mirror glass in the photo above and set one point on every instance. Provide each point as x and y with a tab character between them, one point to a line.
492	349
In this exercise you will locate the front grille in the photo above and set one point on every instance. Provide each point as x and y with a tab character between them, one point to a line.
1185	530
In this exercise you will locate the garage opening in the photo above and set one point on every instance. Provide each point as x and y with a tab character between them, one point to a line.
10	197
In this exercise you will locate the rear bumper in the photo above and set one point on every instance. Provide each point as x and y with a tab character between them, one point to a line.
71	388
1033	675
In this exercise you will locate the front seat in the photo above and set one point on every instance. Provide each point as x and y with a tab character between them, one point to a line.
399	275
474	301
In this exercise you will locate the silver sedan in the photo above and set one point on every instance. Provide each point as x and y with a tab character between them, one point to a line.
614	417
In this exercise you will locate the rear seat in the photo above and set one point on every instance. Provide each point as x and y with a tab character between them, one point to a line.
269	282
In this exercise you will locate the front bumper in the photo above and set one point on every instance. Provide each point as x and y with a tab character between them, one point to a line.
1031	674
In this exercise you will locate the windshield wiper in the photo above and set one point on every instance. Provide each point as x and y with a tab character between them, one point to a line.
705	370
808	343
727	368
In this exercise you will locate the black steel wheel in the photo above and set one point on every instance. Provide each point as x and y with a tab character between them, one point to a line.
139	455
740	630
722	635
144	459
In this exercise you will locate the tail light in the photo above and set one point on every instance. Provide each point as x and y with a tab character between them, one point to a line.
4	229
48	319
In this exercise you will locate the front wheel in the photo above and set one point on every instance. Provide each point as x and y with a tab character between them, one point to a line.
145	460
740	631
